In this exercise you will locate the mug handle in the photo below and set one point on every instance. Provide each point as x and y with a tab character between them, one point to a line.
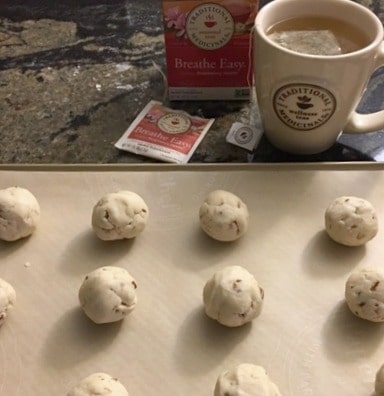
362	123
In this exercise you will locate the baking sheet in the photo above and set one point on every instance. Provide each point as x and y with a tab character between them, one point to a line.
305	336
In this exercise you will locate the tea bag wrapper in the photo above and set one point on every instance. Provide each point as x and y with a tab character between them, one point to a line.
313	42
164	134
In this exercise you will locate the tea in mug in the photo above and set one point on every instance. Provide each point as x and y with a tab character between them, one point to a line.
318	36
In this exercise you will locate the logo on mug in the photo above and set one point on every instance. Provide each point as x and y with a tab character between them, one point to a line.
304	106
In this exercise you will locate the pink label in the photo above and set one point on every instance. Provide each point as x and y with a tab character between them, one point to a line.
189	66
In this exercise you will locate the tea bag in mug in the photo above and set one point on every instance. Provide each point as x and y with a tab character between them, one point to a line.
314	42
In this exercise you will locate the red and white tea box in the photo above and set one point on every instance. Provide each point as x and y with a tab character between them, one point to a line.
209	48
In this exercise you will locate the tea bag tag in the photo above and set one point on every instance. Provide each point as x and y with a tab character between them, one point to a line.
243	136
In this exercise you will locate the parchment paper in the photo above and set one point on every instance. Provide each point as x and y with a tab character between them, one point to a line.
305	337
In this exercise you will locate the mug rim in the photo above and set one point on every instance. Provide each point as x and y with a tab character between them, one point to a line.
261	31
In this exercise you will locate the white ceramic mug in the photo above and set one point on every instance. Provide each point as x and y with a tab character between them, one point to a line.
333	85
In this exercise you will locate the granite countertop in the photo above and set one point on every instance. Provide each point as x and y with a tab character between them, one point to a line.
75	73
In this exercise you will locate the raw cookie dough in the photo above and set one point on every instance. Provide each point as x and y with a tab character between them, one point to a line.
233	296
224	216
108	294
364	294
19	213
379	381
100	384
119	215
351	221
245	380
7	299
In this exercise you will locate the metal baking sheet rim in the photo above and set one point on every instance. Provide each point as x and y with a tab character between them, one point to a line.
163	167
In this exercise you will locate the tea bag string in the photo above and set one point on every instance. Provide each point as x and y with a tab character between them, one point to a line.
165	80
254	121
250	76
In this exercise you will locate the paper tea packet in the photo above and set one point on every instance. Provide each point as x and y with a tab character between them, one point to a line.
164	134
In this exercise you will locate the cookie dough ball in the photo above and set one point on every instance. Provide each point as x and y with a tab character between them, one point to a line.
19	213
245	380
351	221
108	294
7	299
233	296
119	215
379	381
100	384
364	294
224	216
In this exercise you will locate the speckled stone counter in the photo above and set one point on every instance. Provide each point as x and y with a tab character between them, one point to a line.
74	74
